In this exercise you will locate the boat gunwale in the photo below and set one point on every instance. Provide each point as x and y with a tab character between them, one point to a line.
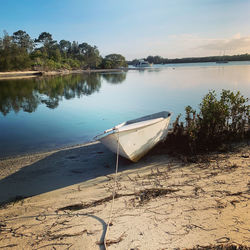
116	130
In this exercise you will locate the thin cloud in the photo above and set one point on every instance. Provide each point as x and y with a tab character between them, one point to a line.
182	45
235	44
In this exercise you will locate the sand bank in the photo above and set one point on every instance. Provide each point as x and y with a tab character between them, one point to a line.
161	203
29	74
19	74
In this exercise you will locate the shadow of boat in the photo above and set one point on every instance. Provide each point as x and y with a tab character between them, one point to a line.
65	168
58	170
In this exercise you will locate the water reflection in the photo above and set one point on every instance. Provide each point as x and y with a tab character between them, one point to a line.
115	78
65	110
28	94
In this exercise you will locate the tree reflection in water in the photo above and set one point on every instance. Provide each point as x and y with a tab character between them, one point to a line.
115	78
28	94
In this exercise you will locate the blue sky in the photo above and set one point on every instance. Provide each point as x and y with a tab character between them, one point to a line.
137	28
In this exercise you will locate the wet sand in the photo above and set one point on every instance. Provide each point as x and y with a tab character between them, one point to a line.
162	202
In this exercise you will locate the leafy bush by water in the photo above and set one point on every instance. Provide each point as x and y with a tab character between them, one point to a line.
219	121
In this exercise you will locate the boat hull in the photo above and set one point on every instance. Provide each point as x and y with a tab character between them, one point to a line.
136	142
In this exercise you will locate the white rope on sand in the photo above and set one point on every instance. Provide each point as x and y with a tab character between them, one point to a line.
114	193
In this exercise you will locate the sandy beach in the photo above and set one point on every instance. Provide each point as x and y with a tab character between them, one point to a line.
162	202
31	73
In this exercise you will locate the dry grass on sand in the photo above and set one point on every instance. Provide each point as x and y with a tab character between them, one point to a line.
161	202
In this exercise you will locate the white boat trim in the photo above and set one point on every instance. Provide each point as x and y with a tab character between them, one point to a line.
121	127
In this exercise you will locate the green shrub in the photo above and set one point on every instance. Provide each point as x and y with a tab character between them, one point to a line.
219	121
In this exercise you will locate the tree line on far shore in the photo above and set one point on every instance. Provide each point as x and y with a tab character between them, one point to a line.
20	52
161	60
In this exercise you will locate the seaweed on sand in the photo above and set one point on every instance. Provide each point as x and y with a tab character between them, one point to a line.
143	196
220	247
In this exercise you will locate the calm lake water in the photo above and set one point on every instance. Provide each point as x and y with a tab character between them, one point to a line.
45	113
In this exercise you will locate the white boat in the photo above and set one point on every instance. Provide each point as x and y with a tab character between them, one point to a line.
136	137
142	63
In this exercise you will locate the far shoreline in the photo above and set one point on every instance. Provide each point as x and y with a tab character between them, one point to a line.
24	74
34	73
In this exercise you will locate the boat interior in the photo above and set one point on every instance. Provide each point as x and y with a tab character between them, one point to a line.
162	114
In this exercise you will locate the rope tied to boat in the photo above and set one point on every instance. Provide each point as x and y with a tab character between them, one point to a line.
114	191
